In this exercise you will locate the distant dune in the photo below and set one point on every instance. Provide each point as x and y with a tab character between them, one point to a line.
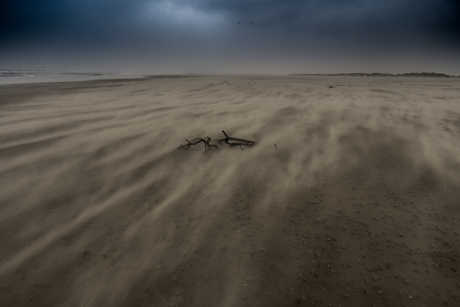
378	74
357	204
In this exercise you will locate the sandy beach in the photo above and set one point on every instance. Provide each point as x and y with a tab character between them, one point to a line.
350	196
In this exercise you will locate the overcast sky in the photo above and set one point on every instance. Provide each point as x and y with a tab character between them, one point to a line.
231	36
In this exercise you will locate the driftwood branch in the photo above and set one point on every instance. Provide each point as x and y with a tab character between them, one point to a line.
235	141
195	141
231	141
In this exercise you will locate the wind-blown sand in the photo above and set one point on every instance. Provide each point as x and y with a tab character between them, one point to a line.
358	204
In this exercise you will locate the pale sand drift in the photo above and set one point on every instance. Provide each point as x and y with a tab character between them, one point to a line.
358	205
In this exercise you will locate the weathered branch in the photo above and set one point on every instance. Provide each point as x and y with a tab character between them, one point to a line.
195	141
228	140
235	141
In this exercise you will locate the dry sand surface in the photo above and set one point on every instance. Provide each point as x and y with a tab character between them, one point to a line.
358	204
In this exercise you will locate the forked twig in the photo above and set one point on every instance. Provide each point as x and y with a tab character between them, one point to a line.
195	141
228	140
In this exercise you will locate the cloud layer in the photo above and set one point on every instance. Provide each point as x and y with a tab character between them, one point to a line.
207	33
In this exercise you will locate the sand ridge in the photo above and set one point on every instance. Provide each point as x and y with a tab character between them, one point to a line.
357	205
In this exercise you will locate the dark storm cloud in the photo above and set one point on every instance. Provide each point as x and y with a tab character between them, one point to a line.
31	16
344	15
220	28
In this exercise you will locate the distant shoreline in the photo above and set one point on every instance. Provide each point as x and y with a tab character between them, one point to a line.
10	76
19	72
377	74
